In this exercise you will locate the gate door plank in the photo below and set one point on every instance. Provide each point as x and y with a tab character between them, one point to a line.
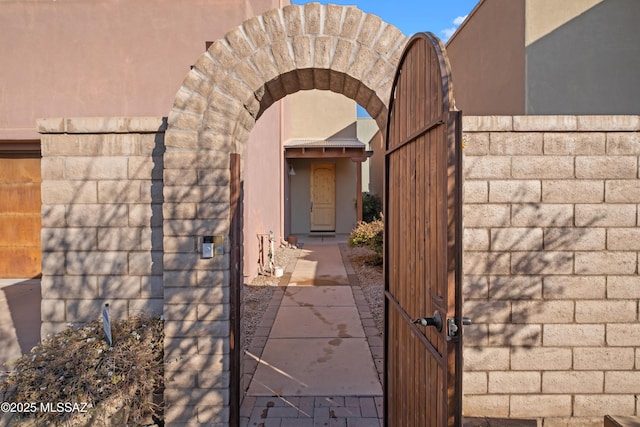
423	241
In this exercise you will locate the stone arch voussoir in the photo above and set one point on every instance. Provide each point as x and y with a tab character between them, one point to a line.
328	47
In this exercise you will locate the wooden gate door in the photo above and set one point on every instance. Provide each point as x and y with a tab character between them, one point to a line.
423	252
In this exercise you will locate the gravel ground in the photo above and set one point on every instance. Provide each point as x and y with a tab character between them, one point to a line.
371	281
257	294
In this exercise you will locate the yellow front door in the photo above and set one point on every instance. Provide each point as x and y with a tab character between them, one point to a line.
323	197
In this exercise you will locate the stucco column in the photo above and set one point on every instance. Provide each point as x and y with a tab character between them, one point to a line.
358	161
359	191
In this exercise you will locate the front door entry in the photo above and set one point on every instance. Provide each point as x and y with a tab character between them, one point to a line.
323	197
423	243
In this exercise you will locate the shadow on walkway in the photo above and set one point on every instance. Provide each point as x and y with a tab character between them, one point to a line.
19	318
316	366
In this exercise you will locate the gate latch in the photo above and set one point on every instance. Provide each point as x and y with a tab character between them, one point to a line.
436	322
453	329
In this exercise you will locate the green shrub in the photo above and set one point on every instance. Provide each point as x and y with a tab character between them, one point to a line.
369	235
371	207
77	366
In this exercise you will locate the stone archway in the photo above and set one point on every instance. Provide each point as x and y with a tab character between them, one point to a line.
330	47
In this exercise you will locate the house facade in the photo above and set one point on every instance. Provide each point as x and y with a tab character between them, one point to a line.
93	69
324	163
542	57
105	64
149	260
551	213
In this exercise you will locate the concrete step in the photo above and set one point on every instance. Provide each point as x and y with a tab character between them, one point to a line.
621	421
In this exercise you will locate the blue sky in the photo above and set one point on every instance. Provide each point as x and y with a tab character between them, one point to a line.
440	17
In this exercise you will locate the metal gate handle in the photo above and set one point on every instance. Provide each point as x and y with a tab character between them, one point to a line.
435	321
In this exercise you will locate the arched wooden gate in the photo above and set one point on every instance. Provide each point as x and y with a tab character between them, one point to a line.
423	236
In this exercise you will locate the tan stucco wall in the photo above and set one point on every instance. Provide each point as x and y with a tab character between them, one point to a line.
582	57
301	195
108	57
487	59
546	16
542	57
369	133
319	114
376	165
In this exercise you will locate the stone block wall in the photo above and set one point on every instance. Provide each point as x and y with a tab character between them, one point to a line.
552	241
101	218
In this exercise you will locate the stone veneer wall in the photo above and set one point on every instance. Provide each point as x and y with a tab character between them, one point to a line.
551	238
101	218
551	259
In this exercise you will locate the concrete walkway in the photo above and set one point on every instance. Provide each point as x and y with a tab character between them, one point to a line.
317	366
19	318
310	357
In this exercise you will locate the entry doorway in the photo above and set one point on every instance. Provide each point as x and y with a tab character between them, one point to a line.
323	197
321	194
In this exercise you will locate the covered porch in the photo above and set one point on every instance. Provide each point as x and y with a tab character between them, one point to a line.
323	185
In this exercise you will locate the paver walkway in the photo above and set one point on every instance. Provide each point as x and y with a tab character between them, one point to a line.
317	367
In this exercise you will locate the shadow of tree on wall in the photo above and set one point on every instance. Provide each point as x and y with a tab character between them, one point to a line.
106	247
507	290
102	235
202	296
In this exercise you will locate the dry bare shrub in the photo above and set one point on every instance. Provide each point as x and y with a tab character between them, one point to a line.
77	366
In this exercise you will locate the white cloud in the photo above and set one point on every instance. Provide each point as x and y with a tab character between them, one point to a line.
448	32
459	20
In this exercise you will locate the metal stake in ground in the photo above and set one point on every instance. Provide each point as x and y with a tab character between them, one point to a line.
106	324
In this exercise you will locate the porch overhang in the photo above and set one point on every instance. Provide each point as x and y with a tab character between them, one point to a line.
330	148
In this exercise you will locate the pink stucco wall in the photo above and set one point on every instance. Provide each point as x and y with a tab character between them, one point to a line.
70	58
262	180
